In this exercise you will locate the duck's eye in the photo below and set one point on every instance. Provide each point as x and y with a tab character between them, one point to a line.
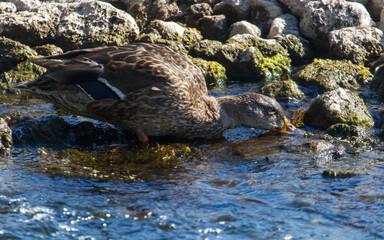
271	110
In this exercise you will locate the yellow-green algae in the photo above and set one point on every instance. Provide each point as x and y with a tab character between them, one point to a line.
213	72
115	164
282	89
326	74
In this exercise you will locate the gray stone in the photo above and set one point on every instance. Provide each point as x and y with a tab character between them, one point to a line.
284	25
244	27
213	27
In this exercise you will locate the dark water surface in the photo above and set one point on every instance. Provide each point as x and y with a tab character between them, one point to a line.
247	186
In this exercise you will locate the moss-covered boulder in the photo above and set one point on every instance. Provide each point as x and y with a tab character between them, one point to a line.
250	58
48	50
213	72
337	106
12	53
22	72
357	44
283	90
299	49
325	75
5	137
161	32
206	49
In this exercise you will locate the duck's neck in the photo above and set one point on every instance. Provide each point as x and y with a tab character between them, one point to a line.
229	115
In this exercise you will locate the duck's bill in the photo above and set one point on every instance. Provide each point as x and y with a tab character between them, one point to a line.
288	127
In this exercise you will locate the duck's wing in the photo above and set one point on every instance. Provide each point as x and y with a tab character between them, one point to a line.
114	72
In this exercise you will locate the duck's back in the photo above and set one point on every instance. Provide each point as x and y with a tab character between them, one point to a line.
136	86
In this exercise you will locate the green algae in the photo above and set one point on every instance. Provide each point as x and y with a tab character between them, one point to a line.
213	72
115	164
283	89
48	50
326	74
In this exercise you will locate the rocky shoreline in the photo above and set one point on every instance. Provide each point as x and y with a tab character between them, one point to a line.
327	52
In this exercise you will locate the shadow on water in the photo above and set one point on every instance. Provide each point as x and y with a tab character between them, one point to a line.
250	184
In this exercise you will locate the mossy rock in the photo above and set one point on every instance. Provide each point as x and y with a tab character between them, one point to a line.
22	72
250	58
5	137
48	50
332	173
172	31
299	49
338	106
283	89
206	49
12	53
213	72
325	75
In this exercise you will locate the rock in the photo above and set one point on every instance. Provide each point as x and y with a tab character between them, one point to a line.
12	53
56	131
376	8
213	27
349	132
284	25
357	44
322	17
250	58
144	11
24	71
381	23
26	5
48	50
85	23
337	106
299	49
296	7
263	12
5	137
172	34
197	11
378	82
325	75
213	72
206	49
283	90
244	27
235	10
7	7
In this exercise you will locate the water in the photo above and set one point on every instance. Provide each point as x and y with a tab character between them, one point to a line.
247	189
250	185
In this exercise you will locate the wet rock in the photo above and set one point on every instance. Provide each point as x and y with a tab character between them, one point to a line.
12	53
378	81
331	173
213	27
244	27
376	8
197	11
284	25
357	136
250	58
48	50
338	106
357	44
322	17
325	75
299	49
213	72
70	25
56	131
7	7
206	49
283	90
5	137
24	71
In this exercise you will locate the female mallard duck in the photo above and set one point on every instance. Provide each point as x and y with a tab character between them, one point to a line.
150	90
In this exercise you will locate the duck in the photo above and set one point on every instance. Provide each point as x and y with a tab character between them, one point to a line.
149	90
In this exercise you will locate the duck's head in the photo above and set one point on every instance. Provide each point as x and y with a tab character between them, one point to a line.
257	111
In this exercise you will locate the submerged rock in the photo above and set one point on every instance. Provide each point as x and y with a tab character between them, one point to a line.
283	90
325	75
337	106
357	44
56	131
5	137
